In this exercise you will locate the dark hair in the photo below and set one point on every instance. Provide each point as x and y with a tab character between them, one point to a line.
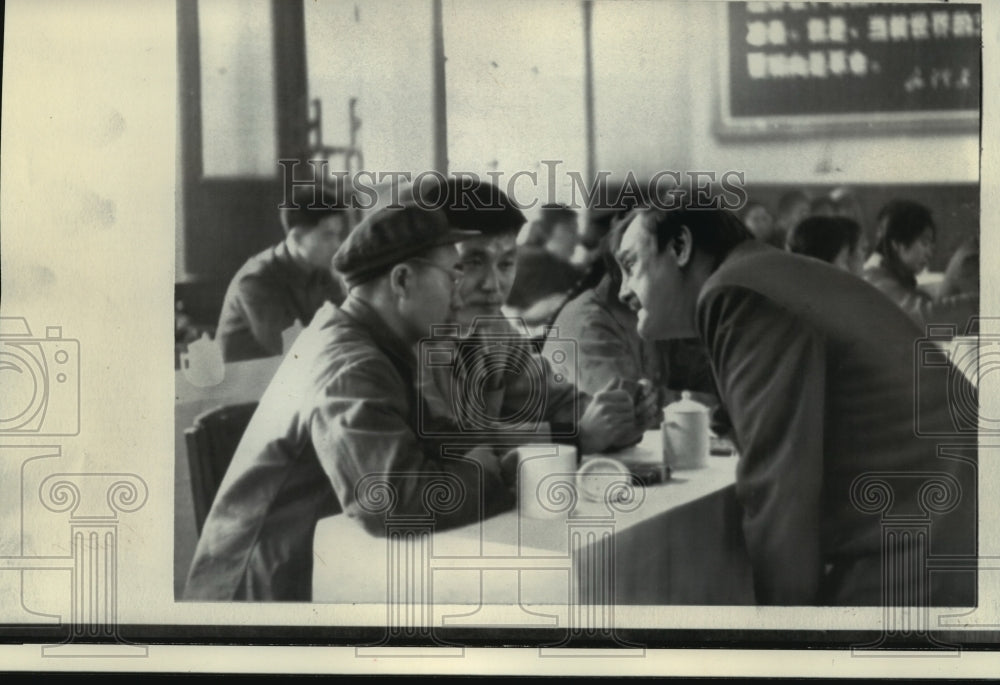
713	231
823	237
789	200
309	205
902	221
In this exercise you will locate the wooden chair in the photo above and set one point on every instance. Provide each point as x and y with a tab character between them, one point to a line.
211	444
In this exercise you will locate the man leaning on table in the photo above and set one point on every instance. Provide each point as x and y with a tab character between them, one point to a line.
500	382
337	429
817	372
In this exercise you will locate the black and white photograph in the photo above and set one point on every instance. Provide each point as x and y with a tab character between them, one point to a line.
554	336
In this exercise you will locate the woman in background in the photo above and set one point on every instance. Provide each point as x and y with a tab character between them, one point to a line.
904	250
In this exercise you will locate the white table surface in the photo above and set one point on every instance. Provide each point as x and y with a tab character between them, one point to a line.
507	559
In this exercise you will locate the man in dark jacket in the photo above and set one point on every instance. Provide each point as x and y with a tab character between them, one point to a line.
339	427
838	428
500	384
287	282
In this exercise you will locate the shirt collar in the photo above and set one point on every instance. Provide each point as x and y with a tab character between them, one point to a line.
385	337
295	272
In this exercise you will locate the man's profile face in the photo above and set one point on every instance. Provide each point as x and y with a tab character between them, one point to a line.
318	244
917	255
489	264
652	285
433	291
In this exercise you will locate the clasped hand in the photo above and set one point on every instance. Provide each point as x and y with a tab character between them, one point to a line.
617	418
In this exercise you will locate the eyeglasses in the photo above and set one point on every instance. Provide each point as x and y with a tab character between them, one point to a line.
454	274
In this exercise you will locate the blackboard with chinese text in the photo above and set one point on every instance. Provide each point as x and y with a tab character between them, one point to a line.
853	60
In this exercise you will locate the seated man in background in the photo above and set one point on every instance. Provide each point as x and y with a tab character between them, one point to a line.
823	385
833	239
904	250
499	369
287	282
338	428
545	272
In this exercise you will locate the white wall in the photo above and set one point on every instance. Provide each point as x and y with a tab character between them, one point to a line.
655	78
237	88
378	51
514	77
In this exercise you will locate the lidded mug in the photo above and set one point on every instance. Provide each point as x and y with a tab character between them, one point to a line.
685	431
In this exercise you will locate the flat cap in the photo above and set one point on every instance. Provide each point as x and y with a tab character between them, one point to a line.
468	202
392	235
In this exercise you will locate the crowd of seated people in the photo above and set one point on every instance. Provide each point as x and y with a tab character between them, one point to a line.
831	227
354	399
681	300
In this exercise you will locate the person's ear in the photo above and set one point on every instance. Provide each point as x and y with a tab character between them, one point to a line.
401	280
683	246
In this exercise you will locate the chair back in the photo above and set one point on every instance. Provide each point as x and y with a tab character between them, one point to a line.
211	444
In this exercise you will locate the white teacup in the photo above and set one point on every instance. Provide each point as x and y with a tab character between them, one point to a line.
202	363
546	480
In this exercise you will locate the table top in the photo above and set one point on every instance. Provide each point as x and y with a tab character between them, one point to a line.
242	382
349	562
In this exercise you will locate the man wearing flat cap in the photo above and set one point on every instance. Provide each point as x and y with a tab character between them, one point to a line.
498	377
337	428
